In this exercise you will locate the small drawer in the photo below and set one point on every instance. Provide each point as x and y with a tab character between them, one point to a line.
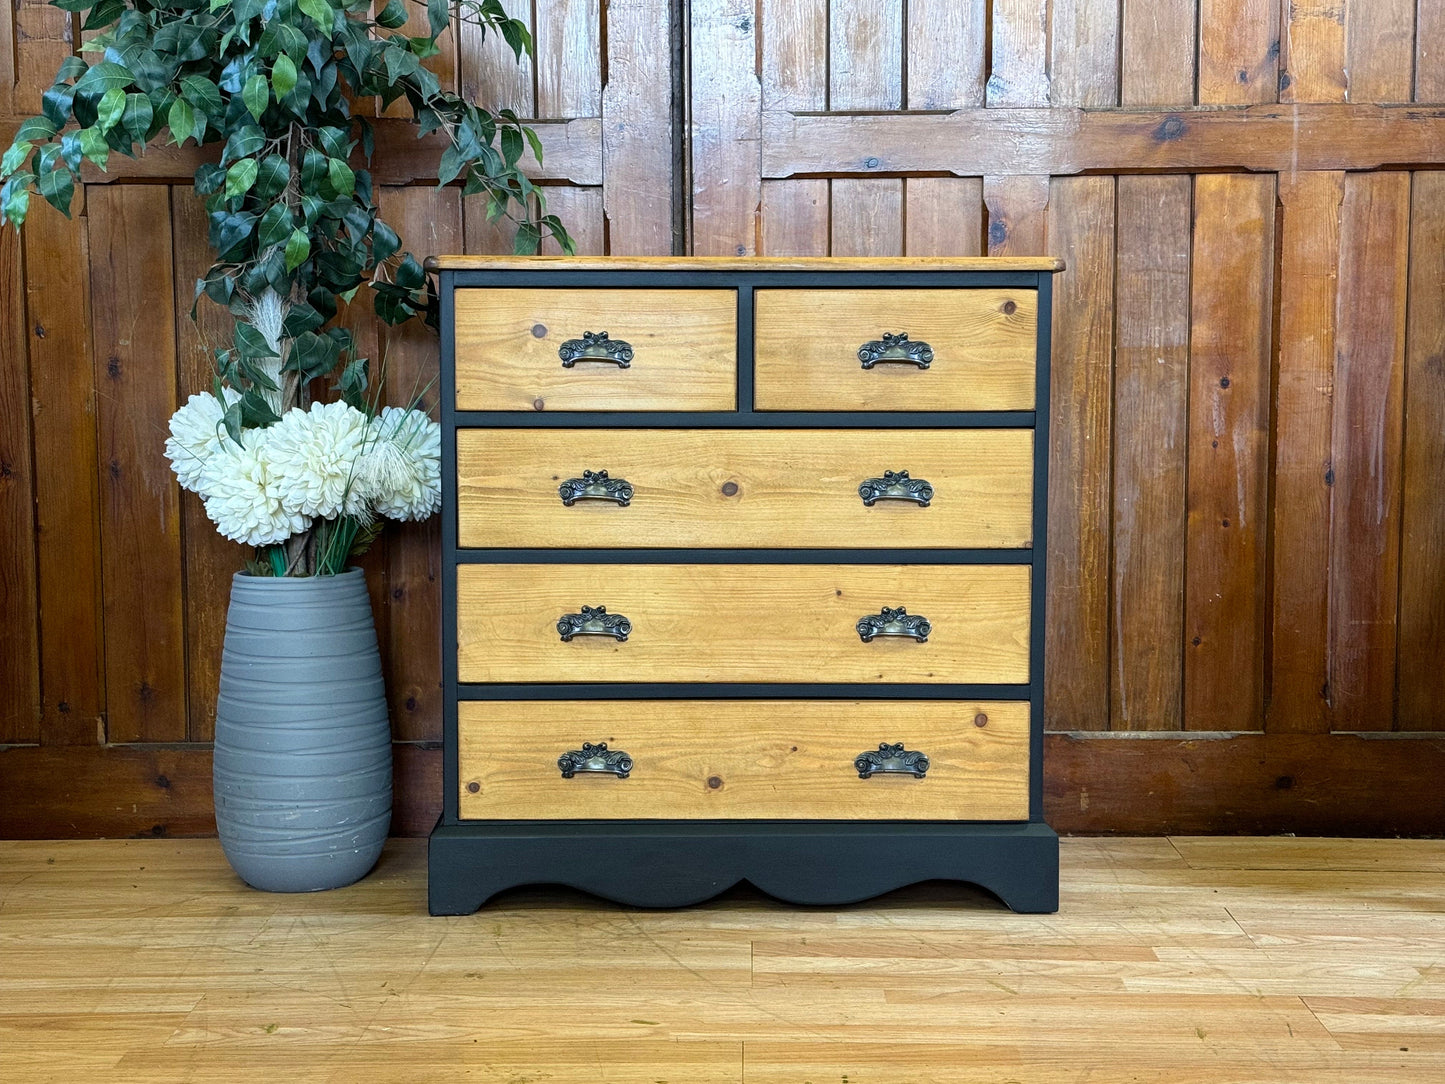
735	488
527	349
726	759
965	349
757	623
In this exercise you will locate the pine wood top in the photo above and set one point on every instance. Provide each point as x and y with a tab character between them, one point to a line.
747	263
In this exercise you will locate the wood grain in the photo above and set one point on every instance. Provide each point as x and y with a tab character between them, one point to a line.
795	218
684	343
44	37
727	263
1430	51
1081	229
67	490
19	626
1231	308
794	46
1017	214
1151	387
1157	52
780	759
581	211
945	53
1239	46
867	217
943	216
1312	52
1380	50
744	488
865	54
568	62
726	101
1367	441
735	623
1018	75
806	352
1084	53
1309	262
1422	548
491	75
637	154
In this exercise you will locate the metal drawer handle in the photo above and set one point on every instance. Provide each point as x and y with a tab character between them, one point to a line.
895	486
598	759
891	760
895	348
889	622
596	346
595	486
593	621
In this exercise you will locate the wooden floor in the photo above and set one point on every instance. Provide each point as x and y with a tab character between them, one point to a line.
1179	960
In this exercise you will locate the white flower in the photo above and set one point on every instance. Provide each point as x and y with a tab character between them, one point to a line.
313	457
243	499
400	471
196	434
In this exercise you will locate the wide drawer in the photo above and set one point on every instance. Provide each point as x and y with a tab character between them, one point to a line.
980	349
695	759
757	623
735	488
680	349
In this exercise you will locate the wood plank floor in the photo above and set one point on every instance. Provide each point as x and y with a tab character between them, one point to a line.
1180	960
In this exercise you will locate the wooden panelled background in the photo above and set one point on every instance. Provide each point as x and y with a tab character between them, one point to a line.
1247	585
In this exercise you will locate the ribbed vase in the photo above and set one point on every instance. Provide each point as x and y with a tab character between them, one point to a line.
303	743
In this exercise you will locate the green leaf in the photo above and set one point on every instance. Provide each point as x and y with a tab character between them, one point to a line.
103	77
251	343
536	141
35	129
393	16
333	141
517	36
438	15
57	103
256	94
511	146
283	76
203	94
451	165
111	109
15	200
15	157
240	177
272	178
104	13
232	421
230	230
423	47
255	411
343	180
275	225
384	242
244	142
137	116
528	239
312	354
182	121
298	247
57	186
410	276
321	14
94	146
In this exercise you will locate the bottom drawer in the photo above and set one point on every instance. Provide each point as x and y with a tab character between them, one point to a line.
743	759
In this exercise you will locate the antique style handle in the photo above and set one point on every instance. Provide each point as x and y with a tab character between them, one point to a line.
895	486
891	622
593	621
895	348
890	760
595	485
596	346
598	758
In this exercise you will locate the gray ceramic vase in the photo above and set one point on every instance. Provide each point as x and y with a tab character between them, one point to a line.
303	743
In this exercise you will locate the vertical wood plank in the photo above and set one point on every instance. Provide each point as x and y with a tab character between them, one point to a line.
580	210
443	65
1312	51
430	219
795	218
726	129
7	58
1367	441
867	217
1238	52
945	51
45	37
795	54
1380	50
1430	51
1422	556
1151	389
1229	399
943	216
569	59
1019	74
133	339
1309	263
1017	215
1081	232
209	559
637	158
1084	53
490	75
865	54
19	631
67	497
1157	53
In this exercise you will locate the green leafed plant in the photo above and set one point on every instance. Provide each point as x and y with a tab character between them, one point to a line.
292	217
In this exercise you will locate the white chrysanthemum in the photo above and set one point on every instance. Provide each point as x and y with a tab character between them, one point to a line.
197	433
400	471
244	502
313	455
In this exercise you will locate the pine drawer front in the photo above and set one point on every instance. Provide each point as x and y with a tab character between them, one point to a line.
738	488
772	759
746	623
981	343
510	345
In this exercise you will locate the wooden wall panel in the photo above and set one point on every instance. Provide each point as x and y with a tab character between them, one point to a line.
1380	50
489	73
795	218
867	217
943	216
1019	75
865	54
1017	214
1312	51
1084	57
637	135
1430	51
945	53
1157	52
568	61
795	54
1238	52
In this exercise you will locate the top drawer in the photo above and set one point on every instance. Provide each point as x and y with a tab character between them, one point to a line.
680	353
979	353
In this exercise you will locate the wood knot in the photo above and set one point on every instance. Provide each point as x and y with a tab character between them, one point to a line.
997	233
473	787
729	489
980	719
714	782
1169	129
1010	307
538	404
539	331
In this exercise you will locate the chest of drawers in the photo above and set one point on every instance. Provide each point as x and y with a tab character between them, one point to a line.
743	569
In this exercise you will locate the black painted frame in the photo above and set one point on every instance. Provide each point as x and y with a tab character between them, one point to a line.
672	863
